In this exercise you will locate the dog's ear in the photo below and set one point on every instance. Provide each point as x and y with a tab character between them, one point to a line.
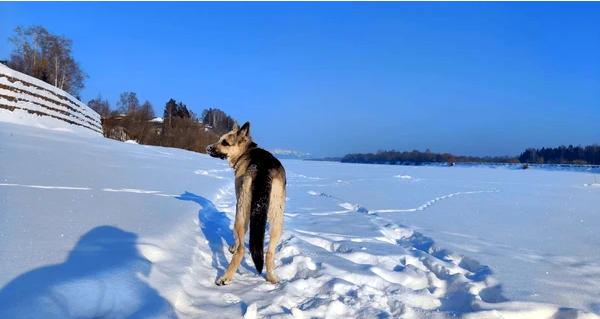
235	127
245	130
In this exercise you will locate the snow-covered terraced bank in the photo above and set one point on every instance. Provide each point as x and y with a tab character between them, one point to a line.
95	228
27	100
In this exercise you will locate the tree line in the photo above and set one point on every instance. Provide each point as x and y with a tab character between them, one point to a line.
417	157
562	155
577	155
179	127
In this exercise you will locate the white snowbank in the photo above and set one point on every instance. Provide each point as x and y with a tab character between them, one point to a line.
26	100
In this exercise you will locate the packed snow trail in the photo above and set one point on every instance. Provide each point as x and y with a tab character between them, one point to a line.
388	270
97	228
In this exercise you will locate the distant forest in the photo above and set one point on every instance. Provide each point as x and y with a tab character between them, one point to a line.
578	155
417	157
179	127
589	155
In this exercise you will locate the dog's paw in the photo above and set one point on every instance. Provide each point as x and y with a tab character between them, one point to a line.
272	278
223	281
232	248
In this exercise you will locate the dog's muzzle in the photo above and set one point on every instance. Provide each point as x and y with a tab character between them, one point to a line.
214	153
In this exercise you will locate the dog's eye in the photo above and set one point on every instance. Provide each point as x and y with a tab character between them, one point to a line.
224	143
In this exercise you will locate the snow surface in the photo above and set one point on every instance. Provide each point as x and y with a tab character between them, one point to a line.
96	228
22	117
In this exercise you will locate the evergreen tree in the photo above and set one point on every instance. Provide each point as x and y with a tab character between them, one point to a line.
562	155
182	111
169	112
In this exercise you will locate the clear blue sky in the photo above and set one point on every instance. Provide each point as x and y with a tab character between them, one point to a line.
333	78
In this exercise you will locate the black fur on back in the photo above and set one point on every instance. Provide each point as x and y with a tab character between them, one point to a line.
264	162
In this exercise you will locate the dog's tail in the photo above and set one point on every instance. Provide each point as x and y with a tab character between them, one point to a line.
258	218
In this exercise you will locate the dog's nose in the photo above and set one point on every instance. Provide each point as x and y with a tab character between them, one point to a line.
209	149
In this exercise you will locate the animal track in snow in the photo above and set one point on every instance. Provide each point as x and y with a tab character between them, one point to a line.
77	188
47	187
431	202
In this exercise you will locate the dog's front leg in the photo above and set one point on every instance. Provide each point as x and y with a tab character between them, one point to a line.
242	217
236	242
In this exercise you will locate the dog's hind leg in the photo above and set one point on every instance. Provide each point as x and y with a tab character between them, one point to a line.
274	234
276	207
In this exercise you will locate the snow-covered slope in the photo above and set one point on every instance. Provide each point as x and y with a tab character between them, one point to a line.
27	100
95	228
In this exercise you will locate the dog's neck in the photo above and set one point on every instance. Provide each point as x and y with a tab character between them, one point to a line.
234	162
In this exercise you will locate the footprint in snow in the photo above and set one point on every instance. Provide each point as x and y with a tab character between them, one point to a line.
231	298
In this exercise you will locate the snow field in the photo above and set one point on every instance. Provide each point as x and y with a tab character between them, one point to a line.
118	230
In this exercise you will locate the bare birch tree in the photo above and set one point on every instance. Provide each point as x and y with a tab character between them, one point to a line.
47	57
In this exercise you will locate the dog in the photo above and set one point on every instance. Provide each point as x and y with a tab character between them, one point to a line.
260	184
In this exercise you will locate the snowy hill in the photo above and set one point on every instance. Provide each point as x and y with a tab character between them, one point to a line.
95	228
29	101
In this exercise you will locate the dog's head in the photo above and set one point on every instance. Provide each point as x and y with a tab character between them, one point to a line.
232	144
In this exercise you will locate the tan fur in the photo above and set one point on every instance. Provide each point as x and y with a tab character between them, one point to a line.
239	141
275	218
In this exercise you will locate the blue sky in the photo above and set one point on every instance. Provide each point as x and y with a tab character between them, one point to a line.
333	78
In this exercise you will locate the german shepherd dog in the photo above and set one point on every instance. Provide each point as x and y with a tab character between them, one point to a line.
260	192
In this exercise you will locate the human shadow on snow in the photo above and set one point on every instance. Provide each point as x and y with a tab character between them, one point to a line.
99	279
